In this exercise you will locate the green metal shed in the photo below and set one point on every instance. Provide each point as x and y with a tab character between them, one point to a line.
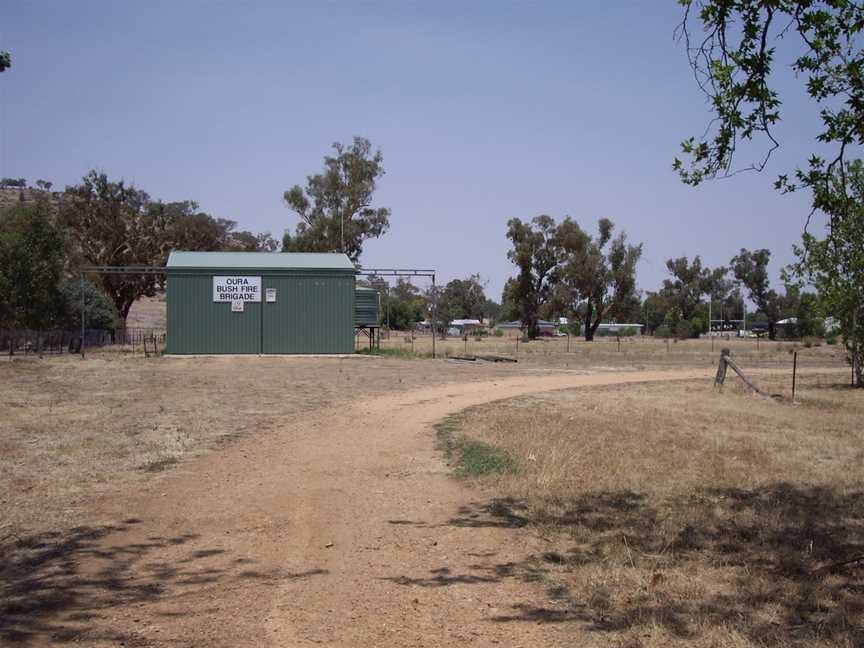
260	302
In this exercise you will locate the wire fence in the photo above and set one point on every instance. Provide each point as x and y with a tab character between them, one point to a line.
43	342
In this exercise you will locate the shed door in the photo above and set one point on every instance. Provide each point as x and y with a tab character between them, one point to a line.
287	324
309	315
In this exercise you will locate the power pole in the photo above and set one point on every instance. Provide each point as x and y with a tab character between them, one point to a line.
434	313
82	315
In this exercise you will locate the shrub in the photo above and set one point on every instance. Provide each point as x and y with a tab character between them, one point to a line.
573	328
663	331
99	312
683	330
788	332
499	333
831	339
810	327
810	341
628	331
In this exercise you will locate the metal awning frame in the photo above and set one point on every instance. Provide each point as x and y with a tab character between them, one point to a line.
408	272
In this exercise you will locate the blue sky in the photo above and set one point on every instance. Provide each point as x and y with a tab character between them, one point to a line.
483	110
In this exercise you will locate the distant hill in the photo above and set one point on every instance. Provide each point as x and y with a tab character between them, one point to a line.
11	196
148	312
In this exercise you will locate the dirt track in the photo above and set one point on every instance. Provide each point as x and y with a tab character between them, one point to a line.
341	529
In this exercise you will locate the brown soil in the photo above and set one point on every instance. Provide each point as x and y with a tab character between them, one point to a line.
340	525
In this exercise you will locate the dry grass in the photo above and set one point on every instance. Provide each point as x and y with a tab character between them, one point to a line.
634	352
726	501
678	515
73	431
148	312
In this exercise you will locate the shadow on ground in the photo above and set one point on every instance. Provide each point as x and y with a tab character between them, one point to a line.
779	565
71	586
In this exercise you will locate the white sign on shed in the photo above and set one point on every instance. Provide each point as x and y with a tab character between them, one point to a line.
237	306
270	295
237	288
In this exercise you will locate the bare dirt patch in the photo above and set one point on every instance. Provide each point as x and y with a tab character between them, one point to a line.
74	431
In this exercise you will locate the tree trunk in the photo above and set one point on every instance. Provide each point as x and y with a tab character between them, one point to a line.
533	330
123	312
855	352
856	367
589	315
772	330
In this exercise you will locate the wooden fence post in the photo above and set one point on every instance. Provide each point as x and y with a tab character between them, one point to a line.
794	372
721	367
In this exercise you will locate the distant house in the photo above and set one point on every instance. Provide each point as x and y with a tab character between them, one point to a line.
464	326
759	328
515	327
620	327
456	327
467	325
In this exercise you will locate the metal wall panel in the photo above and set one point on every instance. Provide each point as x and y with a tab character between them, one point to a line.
312	314
197	324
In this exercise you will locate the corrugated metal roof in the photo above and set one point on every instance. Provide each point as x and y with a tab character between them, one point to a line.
247	260
517	324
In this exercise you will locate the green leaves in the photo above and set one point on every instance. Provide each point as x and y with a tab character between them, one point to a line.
689	282
32	258
535	252
565	267
335	208
834	265
733	61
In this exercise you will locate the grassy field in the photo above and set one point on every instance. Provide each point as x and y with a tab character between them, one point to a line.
663	513
674	514
634	352
75	430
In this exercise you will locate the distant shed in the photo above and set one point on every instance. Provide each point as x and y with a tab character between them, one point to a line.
260	302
